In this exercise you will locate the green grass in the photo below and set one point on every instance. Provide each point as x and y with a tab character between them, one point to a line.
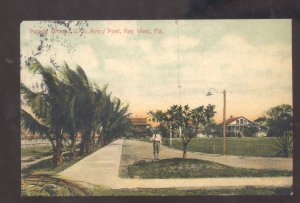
36	151
194	168
46	166
190	192
40	151
44	185
246	146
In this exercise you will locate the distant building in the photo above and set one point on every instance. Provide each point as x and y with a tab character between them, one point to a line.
237	126
139	126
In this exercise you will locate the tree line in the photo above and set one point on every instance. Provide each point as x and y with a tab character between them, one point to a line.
183	121
71	106
275	122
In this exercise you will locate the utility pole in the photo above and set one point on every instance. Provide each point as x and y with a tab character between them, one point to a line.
170	135
178	74
209	93
224	123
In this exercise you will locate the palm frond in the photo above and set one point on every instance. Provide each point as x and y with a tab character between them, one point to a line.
36	101
34	66
32	125
82	76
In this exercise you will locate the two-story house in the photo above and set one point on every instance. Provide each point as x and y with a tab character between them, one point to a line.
236	126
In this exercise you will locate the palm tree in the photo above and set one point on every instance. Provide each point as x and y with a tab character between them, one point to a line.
97	110
83	107
34	126
69	105
50	108
114	118
119	119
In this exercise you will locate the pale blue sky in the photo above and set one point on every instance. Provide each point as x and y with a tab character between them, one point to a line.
251	59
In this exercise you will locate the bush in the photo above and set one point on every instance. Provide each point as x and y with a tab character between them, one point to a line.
283	145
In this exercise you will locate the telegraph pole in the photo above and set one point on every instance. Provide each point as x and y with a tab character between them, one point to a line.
170	135
224	123
178	74
209	93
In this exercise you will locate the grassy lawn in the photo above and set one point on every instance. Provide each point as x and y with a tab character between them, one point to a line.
246	146
36	151
194	168
46	166
190	192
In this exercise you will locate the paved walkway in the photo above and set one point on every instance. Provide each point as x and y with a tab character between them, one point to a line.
102	168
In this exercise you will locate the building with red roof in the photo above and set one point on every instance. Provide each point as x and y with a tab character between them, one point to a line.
236	126
139	126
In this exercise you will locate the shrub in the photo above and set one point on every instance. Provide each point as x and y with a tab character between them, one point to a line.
283	145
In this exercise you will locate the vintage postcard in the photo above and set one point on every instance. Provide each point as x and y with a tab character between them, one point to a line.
156	107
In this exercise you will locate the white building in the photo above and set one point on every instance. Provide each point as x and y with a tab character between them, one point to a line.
236	126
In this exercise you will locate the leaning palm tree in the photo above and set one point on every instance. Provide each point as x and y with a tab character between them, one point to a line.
69	106
35	126
98	103
117	123
83	107
50	108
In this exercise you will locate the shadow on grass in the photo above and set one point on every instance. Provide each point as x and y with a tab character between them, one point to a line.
36	152
46	185
46	166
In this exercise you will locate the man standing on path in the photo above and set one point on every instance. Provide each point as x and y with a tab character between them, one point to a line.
156	139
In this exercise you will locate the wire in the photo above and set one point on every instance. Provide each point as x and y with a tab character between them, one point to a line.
178	69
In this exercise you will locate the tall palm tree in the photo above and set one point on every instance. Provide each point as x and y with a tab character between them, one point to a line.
117	119
50	108
83	107
121	122
98	103
69	105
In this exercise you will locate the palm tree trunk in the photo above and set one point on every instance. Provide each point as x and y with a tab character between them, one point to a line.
72	147
52	143
93	139
57	156
99	141
184	148
82	143
88	144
